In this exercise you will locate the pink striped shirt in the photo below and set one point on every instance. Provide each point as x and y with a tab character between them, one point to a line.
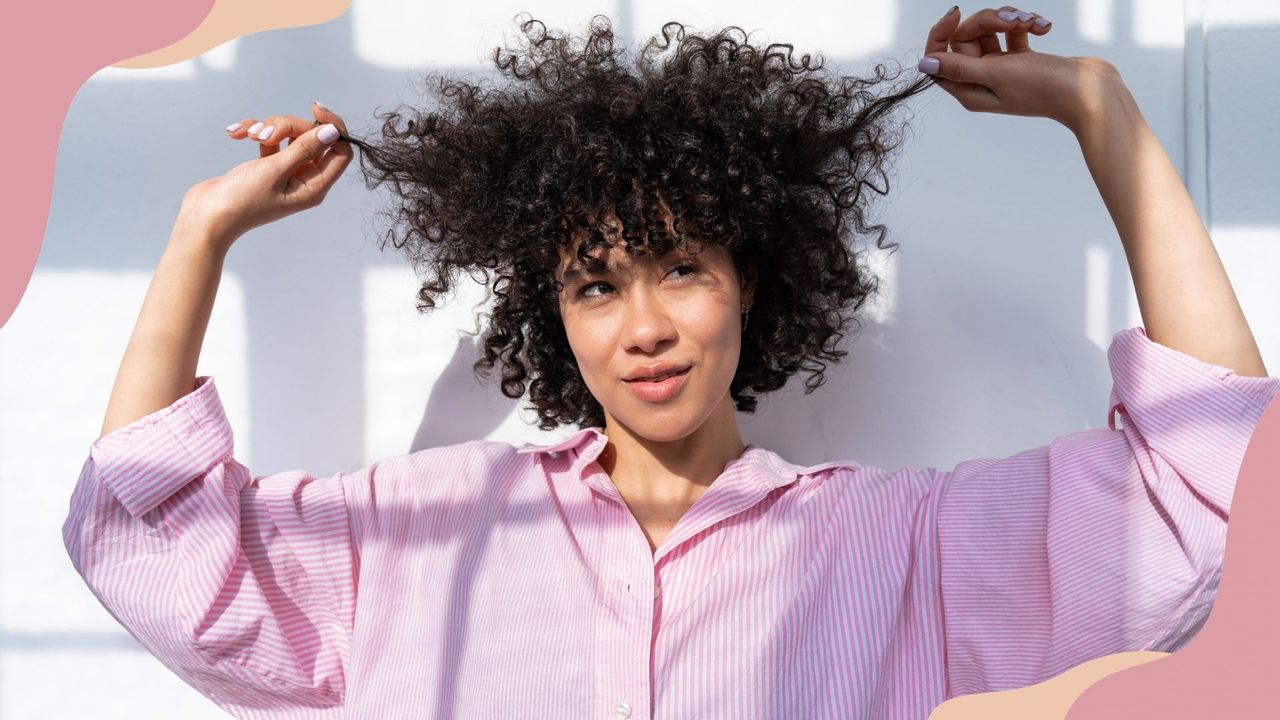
483	580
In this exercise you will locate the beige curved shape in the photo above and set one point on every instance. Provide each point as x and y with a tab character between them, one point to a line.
1043	701
230	19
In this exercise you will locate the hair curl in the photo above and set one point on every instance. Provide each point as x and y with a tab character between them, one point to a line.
747	147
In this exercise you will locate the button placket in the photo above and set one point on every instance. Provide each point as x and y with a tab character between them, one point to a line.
624	644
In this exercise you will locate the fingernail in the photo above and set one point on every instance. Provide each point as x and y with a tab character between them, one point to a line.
1043	22
233	127
327	133
254	128
948	13
1007	16
928	66
1024	15
266	134
322	106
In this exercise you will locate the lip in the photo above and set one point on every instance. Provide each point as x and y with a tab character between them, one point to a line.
656	370
661	390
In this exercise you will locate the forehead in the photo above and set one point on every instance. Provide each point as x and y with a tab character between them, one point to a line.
615	259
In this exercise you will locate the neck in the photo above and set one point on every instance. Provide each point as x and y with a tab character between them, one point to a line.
672	471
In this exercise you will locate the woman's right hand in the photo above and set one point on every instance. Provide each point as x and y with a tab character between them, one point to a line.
280	182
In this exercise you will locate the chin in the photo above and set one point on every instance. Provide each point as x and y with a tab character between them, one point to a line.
662	424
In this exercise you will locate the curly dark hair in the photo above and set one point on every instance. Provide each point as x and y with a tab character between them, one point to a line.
745	147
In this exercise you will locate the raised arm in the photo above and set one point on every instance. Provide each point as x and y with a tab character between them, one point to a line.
1111	539
159	363
1184	294
244	586
1185	297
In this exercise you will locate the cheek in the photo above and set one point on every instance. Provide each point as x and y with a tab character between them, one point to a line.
722	324
717	325
590	342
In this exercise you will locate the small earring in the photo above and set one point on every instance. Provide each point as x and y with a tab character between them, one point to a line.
745	311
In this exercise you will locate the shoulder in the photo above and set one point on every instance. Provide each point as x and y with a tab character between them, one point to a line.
487	458
473	458
852	483
440	487
854	501
443	472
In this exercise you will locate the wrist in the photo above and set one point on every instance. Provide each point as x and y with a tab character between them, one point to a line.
199	236
1102	98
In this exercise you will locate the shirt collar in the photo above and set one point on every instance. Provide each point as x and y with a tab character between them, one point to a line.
572	442
765	465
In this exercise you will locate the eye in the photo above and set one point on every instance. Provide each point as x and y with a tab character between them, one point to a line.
582	291
685	266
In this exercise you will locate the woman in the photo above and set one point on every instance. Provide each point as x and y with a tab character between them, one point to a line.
662	247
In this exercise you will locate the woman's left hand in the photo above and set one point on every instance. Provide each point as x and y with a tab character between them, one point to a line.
966	59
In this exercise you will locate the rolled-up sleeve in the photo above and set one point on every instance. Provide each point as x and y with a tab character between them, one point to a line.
244	586
1107	540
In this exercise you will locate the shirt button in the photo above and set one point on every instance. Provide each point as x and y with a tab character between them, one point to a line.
657	589
623	710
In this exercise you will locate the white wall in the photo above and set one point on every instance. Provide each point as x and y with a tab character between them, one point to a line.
990	338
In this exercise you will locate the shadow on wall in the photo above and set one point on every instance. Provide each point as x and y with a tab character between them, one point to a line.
982	354
452	414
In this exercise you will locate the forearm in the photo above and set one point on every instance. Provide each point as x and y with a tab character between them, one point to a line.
1184	294
159	362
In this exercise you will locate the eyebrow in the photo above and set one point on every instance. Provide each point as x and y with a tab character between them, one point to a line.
577	270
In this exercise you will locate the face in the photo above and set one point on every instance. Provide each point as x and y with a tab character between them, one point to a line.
644	315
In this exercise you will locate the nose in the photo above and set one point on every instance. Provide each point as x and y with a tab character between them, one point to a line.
648	324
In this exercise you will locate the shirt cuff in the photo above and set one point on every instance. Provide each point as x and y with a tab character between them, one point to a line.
151	458
1196	415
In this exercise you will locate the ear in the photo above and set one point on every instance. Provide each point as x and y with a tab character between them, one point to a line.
750	276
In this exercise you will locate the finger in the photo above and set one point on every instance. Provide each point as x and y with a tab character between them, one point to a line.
953	70
264	128
988	45
332	163
251	128
276	129
282	127
941	30
1019	41
325	115
240	130
306	148
976	35
1016	37
316	178
972	97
